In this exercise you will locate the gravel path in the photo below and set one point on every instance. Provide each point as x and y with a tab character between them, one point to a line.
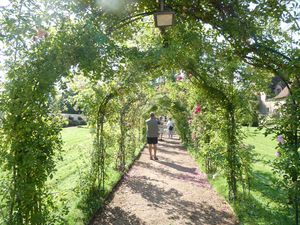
170	191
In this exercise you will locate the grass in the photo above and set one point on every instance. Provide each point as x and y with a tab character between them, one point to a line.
265	204
70	172
66	184
77	144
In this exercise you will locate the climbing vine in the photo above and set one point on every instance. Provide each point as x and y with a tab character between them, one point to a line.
214	44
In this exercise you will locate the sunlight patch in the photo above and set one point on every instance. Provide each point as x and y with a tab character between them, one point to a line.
110	5
4	3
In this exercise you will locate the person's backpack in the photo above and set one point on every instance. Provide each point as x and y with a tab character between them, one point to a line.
170	127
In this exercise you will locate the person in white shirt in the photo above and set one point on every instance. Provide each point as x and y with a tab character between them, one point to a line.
170	127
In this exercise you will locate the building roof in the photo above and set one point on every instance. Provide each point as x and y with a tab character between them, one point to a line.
277	81
283	94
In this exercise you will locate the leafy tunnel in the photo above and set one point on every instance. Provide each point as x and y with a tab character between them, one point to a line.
204	71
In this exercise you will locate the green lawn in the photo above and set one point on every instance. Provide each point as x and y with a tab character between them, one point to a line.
76	160
265	203
77	144
66	183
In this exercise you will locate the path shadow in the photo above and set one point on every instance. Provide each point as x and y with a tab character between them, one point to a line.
197	179
162	157
117	216
176	207
172	141
159	156
171	201
182	149
179	167
150	192
177	149
167	151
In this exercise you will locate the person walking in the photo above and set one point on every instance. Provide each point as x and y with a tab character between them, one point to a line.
170	127
152	135
161	128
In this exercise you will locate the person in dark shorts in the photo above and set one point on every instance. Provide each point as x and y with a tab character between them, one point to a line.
152	135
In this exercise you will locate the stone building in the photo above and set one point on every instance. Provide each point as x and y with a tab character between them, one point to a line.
268	106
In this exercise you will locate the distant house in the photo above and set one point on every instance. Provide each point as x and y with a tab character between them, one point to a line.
269	106
276	85
74	119
77	117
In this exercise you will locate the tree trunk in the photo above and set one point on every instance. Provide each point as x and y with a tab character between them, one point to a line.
231	153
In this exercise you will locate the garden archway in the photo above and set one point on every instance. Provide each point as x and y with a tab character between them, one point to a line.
31	134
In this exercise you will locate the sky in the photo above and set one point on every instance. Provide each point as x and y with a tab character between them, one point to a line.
4	3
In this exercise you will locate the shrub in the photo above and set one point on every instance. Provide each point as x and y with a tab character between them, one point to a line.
73	123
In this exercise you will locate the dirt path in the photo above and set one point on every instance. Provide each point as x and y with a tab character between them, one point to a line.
169	191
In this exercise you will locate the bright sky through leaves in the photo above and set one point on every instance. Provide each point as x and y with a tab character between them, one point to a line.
4	3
